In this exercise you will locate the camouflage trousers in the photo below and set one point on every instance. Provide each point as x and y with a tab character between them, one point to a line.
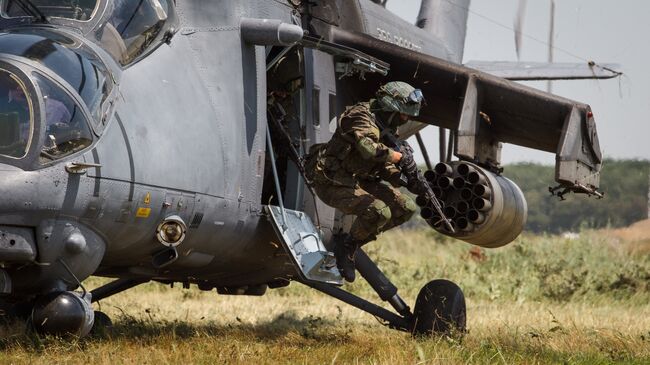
377	206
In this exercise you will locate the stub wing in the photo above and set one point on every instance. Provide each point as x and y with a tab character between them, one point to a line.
486	111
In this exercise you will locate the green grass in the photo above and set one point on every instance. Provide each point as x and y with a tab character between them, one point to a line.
542	299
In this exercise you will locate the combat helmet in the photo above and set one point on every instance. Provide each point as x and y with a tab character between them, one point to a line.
398	96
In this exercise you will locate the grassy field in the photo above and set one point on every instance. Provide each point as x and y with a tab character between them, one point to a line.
542	299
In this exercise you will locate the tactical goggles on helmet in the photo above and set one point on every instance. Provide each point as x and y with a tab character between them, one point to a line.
416	97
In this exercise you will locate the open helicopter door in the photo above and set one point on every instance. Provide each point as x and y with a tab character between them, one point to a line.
300	238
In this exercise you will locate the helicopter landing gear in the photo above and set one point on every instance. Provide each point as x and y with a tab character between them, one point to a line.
439	309
102	324
63	313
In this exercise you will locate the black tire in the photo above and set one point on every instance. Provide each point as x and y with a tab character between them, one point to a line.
102	324
439	309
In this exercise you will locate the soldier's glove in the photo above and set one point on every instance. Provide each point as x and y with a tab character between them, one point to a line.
407	165
410	174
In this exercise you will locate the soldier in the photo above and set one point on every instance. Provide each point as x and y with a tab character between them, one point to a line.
347	172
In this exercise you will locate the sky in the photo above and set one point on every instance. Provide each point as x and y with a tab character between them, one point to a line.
600	30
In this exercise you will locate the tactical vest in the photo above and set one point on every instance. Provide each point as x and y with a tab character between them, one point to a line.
339	162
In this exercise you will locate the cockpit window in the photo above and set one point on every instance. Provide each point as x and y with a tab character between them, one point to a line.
16	117
82	10
133	28
67	58
66	128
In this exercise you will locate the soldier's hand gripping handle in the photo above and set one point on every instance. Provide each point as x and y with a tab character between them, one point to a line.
417	184
396	157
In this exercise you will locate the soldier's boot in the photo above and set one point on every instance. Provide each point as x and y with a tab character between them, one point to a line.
344	251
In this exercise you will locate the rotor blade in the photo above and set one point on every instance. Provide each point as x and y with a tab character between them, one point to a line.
518	26
528	71
551	40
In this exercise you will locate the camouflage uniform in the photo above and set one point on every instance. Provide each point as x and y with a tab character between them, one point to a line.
347	173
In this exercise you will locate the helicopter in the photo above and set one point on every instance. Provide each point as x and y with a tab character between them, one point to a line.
163	140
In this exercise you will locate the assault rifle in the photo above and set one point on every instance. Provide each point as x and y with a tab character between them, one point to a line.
415	181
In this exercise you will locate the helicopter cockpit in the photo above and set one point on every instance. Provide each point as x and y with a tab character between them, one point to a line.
81	10
54	96
17	118
127	29
136	28
56	89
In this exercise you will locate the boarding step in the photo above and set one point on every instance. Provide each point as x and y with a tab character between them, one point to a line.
304	244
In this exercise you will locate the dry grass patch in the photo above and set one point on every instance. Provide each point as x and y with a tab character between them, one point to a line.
542	300
168	327
636	237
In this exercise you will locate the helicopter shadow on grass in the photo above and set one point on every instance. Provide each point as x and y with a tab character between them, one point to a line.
146	331
311	327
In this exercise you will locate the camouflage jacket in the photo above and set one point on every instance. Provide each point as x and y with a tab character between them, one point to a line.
354	152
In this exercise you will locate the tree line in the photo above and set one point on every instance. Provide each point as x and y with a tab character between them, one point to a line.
625	183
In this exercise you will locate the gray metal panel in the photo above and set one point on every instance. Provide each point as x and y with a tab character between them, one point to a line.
184	125
473	139
17	244
203	14
468	123
386	26
113	154
446	20
324	78
256	125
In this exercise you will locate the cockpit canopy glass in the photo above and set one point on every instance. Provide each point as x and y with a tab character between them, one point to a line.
16	116
82	10
68	59
135	28
66	128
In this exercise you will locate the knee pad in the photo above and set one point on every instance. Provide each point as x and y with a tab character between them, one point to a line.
377	214
404	210
409	207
